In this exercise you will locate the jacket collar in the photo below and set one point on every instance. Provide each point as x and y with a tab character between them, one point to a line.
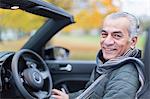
129	53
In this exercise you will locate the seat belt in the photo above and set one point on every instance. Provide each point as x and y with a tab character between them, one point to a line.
91	88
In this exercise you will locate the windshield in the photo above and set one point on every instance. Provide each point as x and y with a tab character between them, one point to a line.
16	27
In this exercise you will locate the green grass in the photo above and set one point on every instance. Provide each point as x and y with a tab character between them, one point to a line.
81	47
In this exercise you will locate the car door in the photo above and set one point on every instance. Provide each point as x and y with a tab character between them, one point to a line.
70	75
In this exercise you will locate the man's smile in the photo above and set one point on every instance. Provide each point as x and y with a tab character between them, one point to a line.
109	50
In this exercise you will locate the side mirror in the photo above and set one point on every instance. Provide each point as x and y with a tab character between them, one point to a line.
56	53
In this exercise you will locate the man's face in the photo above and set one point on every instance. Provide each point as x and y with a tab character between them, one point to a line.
115	39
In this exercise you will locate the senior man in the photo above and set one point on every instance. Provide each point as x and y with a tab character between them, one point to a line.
124	78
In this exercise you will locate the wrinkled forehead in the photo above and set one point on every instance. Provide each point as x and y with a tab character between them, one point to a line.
118	23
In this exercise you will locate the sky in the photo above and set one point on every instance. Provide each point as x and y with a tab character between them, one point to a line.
136	7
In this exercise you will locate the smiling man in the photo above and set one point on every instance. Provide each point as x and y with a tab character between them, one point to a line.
118	59
116	38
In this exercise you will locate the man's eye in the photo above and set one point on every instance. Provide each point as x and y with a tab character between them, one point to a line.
104	35
117	36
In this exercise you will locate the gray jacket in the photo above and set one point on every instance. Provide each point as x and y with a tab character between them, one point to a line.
124	80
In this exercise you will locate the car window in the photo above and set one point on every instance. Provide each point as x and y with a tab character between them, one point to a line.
16	27
81	46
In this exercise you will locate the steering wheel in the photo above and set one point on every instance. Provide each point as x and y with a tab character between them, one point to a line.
32	79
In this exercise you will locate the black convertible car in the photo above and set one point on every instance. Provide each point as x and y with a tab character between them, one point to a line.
34	70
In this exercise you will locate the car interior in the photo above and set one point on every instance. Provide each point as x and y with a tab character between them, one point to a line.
34	70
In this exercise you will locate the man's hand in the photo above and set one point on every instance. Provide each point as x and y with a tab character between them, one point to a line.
57	94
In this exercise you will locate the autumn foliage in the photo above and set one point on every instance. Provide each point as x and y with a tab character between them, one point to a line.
93	16
85	18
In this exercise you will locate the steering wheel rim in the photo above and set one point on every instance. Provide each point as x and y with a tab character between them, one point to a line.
41	75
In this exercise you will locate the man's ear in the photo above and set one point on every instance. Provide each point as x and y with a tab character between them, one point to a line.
133	42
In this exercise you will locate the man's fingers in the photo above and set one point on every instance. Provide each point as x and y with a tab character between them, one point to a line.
56	97
58	92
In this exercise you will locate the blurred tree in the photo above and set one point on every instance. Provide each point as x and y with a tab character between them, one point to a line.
65	4
18	19
108	4
26	22
88	18
92	16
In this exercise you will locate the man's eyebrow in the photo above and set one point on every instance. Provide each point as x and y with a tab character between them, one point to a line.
103	30
117	32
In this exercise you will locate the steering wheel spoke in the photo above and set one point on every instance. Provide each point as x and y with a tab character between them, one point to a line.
44	74
41	94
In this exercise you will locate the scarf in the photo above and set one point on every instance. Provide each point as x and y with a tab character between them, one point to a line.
104	66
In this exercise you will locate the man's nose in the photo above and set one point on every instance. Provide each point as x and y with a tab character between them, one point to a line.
109	40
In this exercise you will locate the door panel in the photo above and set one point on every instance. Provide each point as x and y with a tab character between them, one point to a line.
71	75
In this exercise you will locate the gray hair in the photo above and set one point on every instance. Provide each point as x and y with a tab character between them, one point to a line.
134	22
